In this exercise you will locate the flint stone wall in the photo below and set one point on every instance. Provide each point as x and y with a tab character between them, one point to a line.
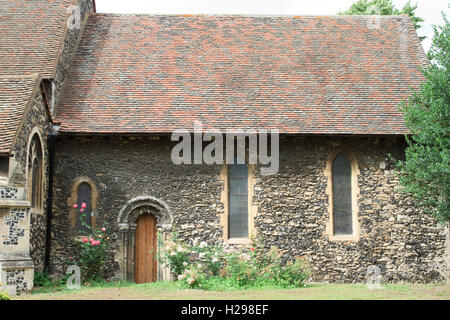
36	117
292	206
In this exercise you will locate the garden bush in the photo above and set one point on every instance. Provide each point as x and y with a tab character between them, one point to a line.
4	295
92	251
42	279
221	266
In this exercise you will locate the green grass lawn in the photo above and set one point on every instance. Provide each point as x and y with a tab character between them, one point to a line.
170	291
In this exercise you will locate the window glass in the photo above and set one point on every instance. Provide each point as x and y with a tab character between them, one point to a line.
238	201
84	196
35	187
35	173
4	167
342	202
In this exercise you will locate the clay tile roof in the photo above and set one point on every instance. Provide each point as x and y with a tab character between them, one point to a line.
16	93
31	33
313	75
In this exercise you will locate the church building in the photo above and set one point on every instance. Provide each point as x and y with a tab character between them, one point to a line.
89	103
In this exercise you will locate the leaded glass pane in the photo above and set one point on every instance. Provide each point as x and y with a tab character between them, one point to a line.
84	195
238	201
34	183
342	196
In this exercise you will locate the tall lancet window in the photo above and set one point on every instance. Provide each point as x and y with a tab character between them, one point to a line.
84	196
238	200
35	174
342	195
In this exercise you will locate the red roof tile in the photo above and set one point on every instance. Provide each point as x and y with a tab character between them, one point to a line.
15	95
31	33
318	75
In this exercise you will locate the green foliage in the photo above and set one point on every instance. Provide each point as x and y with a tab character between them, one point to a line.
179	257
220	266
4	295
42	282
425	173
91	253
410	10
258	267
383	7
175	254
42	279
292	274
372	7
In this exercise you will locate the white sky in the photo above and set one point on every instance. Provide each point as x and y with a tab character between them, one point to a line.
430	10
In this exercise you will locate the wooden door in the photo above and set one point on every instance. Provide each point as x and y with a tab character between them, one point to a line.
145	264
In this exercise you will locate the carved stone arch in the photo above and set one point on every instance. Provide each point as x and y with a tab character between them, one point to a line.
35	156
131	211
35	133
127	221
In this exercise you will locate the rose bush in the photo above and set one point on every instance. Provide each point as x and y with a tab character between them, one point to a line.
91	251
219	265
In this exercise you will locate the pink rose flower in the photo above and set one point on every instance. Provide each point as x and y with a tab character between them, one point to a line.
85	240
75	206
81	210
83	205
103	229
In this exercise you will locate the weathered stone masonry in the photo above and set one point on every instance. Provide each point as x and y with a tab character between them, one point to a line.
36	118
39	117
13	223
22	248
292	206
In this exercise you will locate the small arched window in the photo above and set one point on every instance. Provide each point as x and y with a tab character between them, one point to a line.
83	190
35	176
84	222
342	195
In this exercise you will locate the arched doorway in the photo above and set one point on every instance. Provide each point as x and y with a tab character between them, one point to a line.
140	220
146	246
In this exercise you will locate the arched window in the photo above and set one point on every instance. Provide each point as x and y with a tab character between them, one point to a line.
35	176
84	222
342	195
342	189
238	201
83	190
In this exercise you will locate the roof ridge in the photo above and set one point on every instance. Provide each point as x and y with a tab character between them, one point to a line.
239	15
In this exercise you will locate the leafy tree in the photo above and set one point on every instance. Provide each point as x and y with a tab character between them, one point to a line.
425	173
383	7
